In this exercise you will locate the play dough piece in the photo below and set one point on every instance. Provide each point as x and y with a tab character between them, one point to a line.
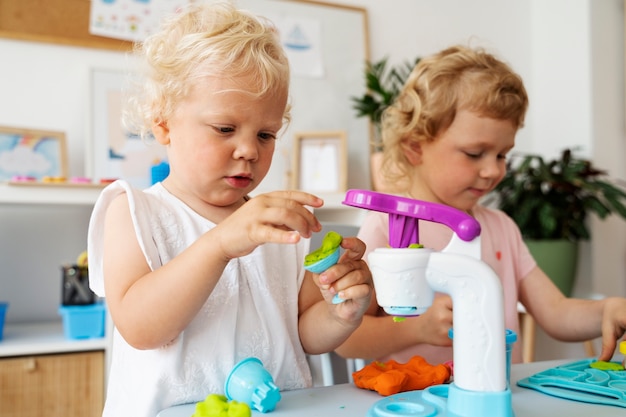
326	255
216	405
606	366
391	377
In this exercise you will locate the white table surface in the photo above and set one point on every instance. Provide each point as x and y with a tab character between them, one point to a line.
346	400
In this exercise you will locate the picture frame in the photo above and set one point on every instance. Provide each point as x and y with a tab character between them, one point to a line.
320	161
113	152
32	154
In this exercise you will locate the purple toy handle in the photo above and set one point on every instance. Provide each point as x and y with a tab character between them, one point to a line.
404	214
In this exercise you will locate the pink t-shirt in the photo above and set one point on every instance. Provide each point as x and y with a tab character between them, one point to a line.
502	248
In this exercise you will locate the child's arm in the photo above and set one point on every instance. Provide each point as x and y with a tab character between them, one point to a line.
572	319
322	324
380	336
151	308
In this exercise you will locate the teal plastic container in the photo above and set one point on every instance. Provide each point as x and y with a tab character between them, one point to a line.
83	321
250	383
3	311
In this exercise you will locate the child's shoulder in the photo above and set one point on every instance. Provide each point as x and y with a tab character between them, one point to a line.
491	217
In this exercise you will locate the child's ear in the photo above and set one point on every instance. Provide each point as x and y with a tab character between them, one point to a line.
161	132
412	151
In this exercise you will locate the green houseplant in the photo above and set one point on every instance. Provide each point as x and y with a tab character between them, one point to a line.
551	200
383	83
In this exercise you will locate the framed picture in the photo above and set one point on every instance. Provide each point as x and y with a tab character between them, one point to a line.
320	162
33	154
113	152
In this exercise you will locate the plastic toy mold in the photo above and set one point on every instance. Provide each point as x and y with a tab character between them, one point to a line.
326	255
580	382
405	212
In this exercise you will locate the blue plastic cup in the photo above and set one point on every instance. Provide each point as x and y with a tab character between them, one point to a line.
3	309
510	338
249	382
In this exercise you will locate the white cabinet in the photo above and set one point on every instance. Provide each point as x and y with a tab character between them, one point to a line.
41	228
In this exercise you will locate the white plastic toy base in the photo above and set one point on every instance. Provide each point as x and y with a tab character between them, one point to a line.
400	280
444	401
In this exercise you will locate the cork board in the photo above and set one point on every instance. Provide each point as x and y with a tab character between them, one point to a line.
63	22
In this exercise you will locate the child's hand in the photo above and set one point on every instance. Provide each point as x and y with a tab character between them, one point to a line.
350	279
436	322
613	326
276	217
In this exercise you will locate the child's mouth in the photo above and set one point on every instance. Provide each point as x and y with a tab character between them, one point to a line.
239	181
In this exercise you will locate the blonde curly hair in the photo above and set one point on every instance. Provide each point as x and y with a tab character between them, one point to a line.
203	40
456	78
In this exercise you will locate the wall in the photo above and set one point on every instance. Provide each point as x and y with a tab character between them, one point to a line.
570	53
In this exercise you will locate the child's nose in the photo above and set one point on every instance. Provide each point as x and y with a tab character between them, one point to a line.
492	169
246	148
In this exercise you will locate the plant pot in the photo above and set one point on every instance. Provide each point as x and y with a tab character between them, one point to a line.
558	259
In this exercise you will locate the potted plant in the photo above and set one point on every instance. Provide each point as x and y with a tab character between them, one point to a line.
383	83
550	200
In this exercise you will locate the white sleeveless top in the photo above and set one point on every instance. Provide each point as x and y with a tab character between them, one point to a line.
253	311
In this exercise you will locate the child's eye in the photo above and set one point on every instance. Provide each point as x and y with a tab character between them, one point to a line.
225	129
474	155
267	136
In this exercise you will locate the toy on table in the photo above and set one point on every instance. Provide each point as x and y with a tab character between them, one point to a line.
250	383
216	405
391	377
606	366
405	280
580	381
324	257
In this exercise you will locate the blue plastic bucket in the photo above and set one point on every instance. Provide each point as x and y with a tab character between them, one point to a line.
3	310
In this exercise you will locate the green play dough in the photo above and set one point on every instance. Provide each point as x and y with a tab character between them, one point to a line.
216	405
606	366
330	243
416	246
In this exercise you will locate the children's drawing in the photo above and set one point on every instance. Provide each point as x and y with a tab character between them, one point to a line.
33	154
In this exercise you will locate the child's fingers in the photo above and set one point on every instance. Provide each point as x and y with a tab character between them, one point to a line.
354	248
354	292
344	275
285	214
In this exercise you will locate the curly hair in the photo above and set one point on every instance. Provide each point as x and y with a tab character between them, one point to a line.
204	40
456	78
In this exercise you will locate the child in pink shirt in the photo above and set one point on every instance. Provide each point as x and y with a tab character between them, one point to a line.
445	139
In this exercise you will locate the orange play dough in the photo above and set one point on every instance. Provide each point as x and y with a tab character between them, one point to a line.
391	377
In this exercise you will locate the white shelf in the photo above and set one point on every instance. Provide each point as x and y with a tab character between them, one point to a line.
333	211
39	193
43	338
